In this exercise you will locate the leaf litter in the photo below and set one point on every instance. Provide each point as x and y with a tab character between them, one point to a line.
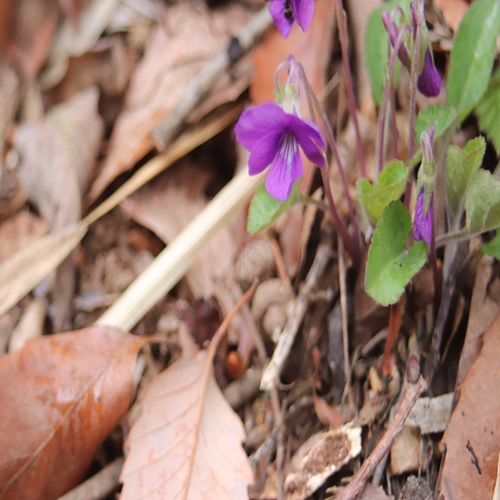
96	80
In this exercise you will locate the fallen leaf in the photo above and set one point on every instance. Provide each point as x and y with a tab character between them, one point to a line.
74	39
484	308
65	143
173	57
61	396
28	267
186	442
20	231
472	439
453	11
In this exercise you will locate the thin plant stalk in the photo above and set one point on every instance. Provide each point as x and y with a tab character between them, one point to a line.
342	25
385	97
353	248
416	32
393	124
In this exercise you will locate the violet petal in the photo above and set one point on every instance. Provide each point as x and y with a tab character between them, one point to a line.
285	170
310	140
303	11
282	22
264	152
423	226
257	122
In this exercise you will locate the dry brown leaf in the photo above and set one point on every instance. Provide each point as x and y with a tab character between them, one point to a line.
19	231
61	396
64	143
484	308
453	11
168	207
174	56
186	442
472	438
57	157
77	38
27	268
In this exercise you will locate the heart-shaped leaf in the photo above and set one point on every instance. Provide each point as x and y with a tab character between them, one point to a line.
390	186
390	266
482	203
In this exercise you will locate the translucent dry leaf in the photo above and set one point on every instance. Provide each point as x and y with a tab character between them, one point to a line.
186	442
61	396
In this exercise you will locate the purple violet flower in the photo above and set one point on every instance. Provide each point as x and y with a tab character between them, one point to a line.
423	224
286	12
273	138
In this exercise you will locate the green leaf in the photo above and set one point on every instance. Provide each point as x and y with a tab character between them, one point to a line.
493	247
482	203
441	116
461	166
473	54
390	186
390	266
264	209
376	47
488	111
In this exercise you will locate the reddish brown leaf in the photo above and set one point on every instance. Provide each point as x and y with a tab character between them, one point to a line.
472	438
186	442
61	396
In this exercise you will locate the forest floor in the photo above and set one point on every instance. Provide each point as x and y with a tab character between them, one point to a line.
150	347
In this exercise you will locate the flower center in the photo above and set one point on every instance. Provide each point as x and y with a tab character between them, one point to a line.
288	148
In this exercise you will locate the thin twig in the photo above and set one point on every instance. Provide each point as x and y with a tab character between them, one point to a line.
413	391
287	337
345	326
98	486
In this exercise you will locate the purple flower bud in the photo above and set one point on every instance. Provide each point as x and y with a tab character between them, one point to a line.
393	32
423	224
273	138
286	12
429	81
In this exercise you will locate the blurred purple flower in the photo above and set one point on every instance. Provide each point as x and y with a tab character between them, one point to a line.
423	225
273	138
286	12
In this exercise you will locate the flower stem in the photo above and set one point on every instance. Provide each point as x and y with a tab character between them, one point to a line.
315	106
436	274
385	98
416	33
342	25
349	245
